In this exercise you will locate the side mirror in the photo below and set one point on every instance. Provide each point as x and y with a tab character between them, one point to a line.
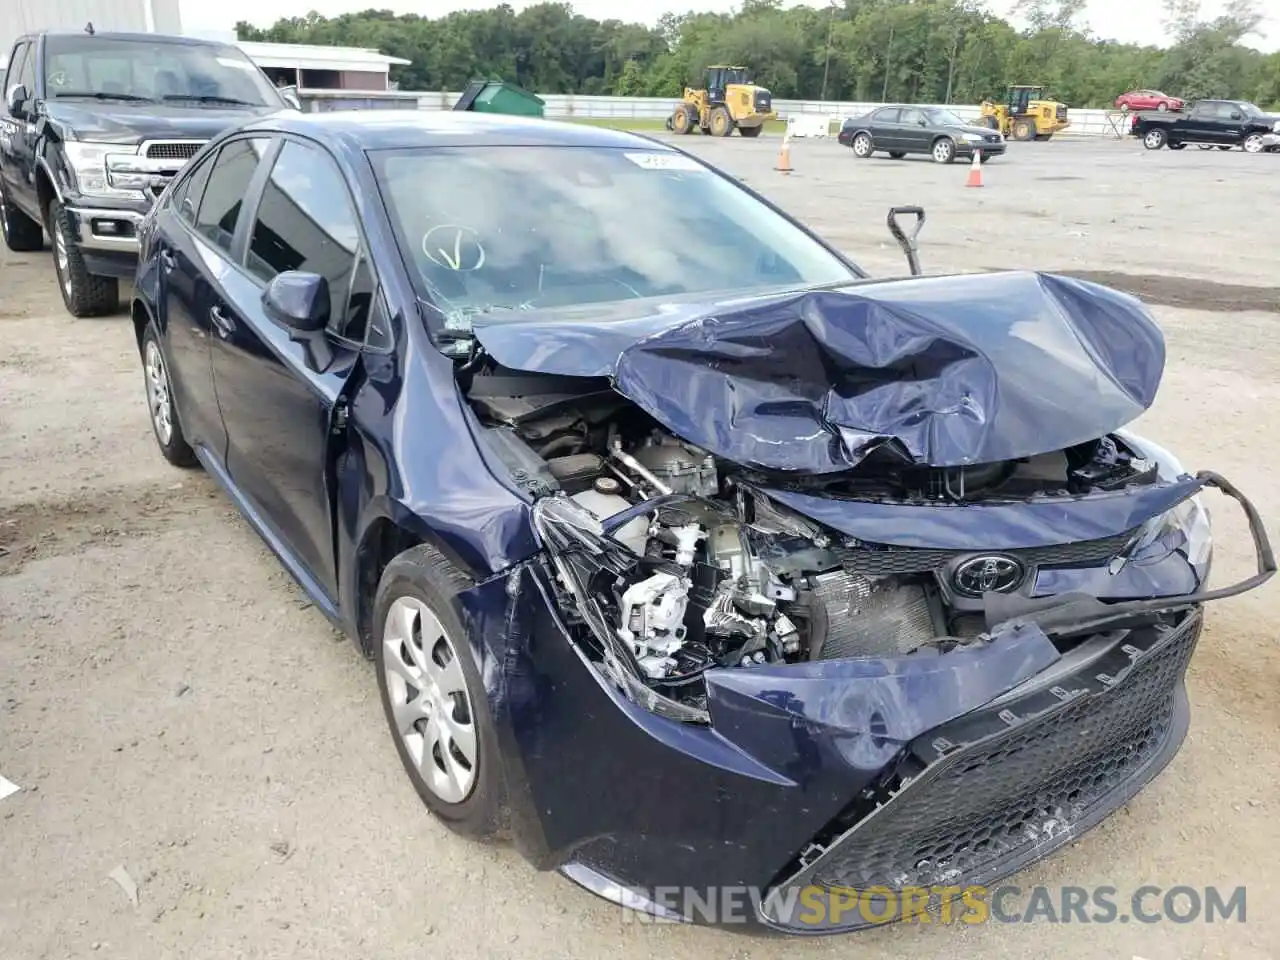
1237	115
298	301
923	122
16	99
290	96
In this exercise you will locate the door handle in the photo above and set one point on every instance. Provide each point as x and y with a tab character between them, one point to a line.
168	261
221	322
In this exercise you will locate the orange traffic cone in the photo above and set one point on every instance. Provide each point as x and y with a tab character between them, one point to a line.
975	170
784	155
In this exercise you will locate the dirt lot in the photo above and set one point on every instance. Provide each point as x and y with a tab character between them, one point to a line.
170	703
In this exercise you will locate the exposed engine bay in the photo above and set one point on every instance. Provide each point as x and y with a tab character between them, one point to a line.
704	570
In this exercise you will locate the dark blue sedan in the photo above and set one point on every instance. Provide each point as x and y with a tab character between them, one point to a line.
705	567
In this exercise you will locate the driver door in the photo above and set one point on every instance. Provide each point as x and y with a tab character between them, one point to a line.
278	395
914	134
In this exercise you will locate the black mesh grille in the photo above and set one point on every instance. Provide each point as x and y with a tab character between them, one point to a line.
1012	793
890	560
172	151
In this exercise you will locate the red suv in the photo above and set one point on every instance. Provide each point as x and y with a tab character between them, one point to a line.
1148	100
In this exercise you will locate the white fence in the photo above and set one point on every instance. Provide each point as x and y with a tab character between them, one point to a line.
1088	123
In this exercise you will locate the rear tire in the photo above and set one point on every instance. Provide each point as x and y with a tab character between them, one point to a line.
418	634
863	146
83	293
165	424
21	233
1154	139
1024	130
721	123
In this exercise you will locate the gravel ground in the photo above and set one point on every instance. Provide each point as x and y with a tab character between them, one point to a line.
170	703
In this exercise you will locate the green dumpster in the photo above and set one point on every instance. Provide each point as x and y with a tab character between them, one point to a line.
498	96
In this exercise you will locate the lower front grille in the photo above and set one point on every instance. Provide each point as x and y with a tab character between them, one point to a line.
172	149
983	801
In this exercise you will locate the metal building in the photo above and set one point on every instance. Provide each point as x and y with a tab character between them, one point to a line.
141	16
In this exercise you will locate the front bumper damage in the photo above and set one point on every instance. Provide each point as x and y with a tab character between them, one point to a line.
946	767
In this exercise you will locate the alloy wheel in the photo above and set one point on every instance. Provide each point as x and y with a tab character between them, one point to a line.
1253	143
429	699
942	151
862	145
62	258
158	394
1153	140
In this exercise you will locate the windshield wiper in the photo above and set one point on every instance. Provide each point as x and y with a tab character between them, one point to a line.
204	98
100	95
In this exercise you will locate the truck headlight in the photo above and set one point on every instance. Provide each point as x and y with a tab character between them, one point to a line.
102	169
1275	127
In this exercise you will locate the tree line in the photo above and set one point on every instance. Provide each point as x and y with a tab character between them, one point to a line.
923	51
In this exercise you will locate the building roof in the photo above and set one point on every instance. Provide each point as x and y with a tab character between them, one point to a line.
305	56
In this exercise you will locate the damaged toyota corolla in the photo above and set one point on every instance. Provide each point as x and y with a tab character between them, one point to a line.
689	555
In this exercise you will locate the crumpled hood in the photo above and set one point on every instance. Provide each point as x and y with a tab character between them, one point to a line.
116	122
947	371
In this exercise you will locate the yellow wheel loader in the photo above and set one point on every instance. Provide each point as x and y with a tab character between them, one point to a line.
728	102
1026	114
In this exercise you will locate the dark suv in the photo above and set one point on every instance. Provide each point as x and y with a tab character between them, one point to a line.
94	126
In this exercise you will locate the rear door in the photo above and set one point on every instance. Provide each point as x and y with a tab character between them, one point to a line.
278	396
193	252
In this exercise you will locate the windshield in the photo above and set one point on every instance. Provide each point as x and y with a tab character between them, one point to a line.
528	228
1249	109
944	118
149	70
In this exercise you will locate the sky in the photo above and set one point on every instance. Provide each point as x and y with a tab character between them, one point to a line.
1131	21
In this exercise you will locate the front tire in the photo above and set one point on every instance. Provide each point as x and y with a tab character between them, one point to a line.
1024	130
1253	143
1163	107
21	233
944	150
433	697
1154	139
682	119
83	293
165	425
862	146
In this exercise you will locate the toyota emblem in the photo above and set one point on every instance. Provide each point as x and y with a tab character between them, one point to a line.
988	574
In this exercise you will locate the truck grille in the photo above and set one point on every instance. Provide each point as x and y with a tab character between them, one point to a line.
980	811
173	149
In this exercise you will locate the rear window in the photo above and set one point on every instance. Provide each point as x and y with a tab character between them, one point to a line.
149	70
528	228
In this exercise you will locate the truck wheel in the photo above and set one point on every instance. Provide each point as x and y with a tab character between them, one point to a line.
1177	146
682	119
84	294
1024	130
862	146
1154	139
21	233
721	123
1253	143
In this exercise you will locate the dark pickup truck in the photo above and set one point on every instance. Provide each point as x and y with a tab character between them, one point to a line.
94	125
1209	123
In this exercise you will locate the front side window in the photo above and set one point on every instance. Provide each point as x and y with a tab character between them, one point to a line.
527	228
188	193
306	221
912	117
219	211
944	118
153	71
26	73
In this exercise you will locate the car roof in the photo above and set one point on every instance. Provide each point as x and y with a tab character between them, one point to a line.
142	37
407	129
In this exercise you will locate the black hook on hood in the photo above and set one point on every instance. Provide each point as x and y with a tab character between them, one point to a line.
907	241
